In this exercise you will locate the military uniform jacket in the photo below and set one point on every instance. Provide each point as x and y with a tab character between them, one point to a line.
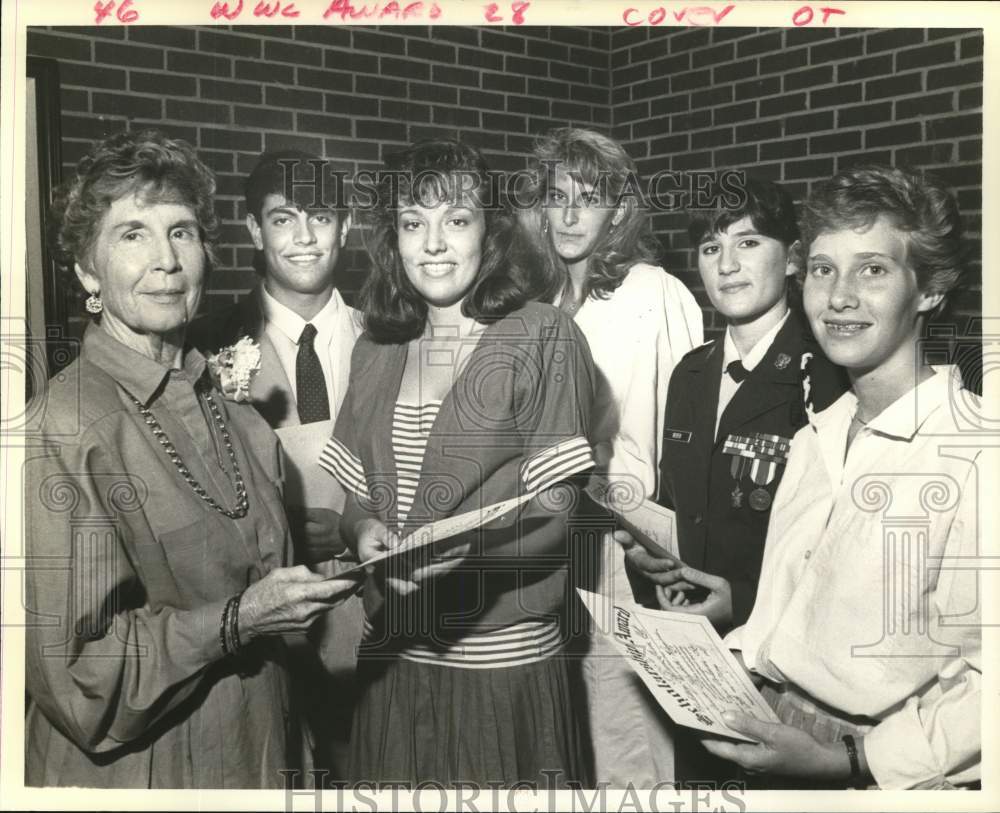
723	507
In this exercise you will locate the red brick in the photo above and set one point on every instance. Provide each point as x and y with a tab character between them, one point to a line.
968	73
263	117
711	97
382	43
744	111
783	105
405	111
323	124
41	43
201	64
842	141
223	42
925	105
293	52
894	134
205	112
864	68
811	77
472	58
954	126
228	139
405	68
132	56
836	96
755	88
924	154
809	122
127	105
937	54
91	77
456	76
242	92
893	38
785	148
863	114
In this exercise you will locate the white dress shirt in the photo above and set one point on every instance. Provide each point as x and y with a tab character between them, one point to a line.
334	323
636	336
856	606
730	353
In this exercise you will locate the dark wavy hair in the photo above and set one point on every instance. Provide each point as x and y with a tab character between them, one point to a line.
599	161
768	205
920	206
431	172
161	169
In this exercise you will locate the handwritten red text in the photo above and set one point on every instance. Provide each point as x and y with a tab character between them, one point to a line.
222	9
805	15
492	12
124	14
690	15
345	9
265	9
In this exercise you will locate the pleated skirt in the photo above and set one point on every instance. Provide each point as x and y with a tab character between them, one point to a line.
429	723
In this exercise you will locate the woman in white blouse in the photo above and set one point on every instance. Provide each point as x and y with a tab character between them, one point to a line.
598	253
866	626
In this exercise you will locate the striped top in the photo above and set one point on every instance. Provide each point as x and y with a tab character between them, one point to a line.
411	426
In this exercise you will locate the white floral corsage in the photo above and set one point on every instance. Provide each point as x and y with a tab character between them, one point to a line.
234	368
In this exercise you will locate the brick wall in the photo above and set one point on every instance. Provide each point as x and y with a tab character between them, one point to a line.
794	104
348	93
797	105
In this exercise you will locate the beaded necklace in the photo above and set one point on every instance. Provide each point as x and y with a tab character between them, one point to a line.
242	501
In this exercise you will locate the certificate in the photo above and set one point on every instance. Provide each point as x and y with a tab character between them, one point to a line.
651	525
445	528
683	662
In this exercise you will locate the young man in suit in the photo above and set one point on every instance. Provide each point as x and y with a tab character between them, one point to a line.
733	406
306	333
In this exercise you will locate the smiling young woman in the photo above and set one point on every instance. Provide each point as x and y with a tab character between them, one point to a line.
871	649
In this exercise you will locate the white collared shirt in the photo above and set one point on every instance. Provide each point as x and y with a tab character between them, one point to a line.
863	601
284	327
730	353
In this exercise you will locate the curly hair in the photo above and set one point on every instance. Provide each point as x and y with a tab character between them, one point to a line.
920	206
161	169
600	162
430	172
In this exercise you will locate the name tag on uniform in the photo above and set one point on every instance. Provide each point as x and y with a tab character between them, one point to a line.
677	435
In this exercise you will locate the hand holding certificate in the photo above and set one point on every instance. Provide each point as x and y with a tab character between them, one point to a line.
651	525
683	662
444	529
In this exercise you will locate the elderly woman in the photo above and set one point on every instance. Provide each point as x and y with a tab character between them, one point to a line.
463	394
155	659
599	267
866	633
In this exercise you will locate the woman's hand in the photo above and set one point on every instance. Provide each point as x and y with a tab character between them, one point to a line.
288	600
373	538
782	749
716	604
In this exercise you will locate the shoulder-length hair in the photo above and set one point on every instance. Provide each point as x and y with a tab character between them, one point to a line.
600	162
920	206
146	163
433	172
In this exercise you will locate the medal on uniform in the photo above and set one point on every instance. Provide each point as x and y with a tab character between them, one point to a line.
757	455
760	499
